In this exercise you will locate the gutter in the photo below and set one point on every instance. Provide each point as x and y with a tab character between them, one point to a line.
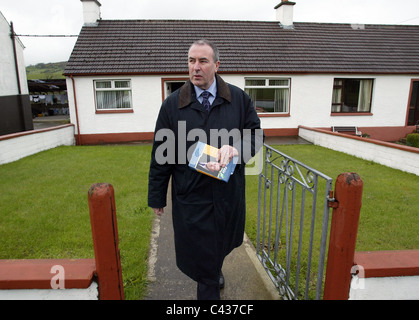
13	36
78	139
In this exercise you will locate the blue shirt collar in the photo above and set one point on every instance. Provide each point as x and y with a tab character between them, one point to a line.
212	89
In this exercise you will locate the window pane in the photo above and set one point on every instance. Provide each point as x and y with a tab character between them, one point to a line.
276	82
113	99
269	100
123	99
260	82
103	84
338	82
281	100
413	118
351	95
364	101
104	99
122	84
337	95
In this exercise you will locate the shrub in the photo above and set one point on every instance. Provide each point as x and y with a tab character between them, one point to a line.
413	140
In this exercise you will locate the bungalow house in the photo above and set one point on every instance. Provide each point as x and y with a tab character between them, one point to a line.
15	107
312	74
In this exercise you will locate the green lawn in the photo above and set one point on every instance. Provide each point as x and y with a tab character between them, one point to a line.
390	205
44	206
44	209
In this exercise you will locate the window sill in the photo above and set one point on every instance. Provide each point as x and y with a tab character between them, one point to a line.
337	114
115	111
273	115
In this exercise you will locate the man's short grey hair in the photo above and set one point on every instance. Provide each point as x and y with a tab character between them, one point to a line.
214	48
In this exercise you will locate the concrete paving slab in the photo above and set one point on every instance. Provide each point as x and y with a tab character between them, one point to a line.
50	121
286	140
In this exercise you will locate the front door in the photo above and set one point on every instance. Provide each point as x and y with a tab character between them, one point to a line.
413	118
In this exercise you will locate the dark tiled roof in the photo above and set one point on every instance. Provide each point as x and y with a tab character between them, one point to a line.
160	46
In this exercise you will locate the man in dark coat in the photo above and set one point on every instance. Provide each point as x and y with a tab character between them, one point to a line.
208	214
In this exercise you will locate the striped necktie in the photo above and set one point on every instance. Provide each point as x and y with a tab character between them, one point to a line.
205	95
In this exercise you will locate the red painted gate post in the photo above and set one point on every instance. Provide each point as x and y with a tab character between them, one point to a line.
343	232
105	241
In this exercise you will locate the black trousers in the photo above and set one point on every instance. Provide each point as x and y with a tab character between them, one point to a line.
208	292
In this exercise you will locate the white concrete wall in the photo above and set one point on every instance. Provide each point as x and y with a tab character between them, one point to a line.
16	146
146	100
391	157
8	79
91	293
385	288
310	105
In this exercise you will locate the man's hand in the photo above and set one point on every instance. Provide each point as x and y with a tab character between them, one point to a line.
158	211
213	166
225	154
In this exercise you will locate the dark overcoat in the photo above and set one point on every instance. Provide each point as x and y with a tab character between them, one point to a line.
208	214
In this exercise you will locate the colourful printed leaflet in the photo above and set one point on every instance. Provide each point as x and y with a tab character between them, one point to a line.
204	160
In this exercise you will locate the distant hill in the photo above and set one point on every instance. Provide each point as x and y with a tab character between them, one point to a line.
46	71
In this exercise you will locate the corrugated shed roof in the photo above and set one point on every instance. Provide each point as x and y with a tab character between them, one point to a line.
161	46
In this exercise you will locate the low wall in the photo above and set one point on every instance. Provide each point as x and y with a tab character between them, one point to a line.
48	279
385	275
90	293
19	145
389	154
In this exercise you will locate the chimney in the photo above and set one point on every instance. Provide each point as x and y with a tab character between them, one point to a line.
284	14
91	12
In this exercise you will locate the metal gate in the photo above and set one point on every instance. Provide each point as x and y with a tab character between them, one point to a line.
293	222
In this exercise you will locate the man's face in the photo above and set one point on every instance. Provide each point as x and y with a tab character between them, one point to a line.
202	67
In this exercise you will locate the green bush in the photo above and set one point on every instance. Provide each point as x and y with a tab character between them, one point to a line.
413	140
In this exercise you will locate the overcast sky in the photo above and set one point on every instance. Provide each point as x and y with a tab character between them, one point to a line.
43	17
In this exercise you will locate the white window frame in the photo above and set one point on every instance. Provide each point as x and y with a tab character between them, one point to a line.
267	85
112	88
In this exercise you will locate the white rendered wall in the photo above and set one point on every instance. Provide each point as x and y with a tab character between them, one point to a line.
146	102
391	157
8	79
386	288
311	98
310	103
25	144
91	293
